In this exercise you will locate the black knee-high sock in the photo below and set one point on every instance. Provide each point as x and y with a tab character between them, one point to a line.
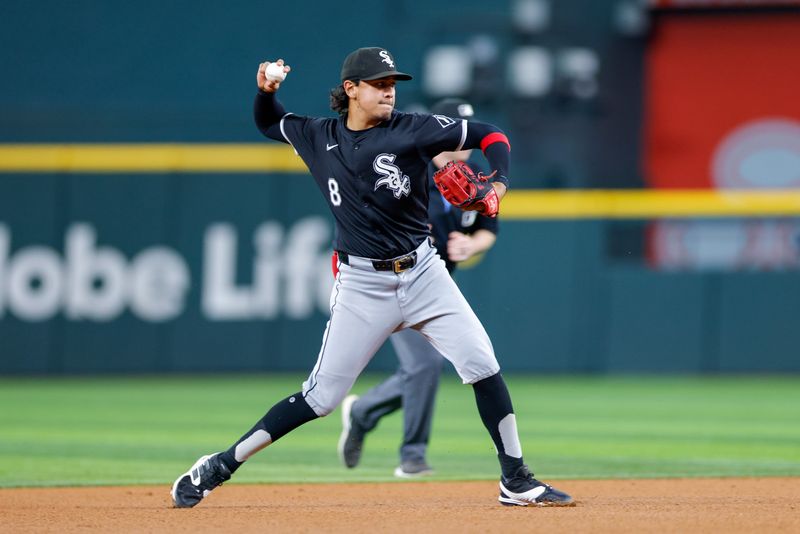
497	413
281	419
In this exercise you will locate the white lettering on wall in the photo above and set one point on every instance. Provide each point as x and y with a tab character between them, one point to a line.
303	257
268	270
4	246
35	283
159	283
90	282
222	299
287	272
95	277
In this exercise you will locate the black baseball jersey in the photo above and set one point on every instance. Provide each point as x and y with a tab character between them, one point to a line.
445	218
375	181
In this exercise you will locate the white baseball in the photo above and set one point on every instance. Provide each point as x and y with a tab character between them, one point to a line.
275	72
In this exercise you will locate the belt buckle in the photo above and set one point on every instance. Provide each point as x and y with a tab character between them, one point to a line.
403	264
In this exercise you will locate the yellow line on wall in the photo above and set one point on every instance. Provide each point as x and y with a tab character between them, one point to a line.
155	158
645	204
266	158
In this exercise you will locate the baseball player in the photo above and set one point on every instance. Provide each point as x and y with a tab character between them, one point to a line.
370	165
457	235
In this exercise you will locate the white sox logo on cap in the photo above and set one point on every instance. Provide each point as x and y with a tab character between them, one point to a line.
386	58
393	178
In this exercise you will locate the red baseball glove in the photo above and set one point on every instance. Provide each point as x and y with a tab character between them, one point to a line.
464	189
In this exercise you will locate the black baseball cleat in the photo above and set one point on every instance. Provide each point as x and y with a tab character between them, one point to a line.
351	442
524	490
206	474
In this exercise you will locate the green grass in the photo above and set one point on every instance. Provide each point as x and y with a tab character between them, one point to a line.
81	431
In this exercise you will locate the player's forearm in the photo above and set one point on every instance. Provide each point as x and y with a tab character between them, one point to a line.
461	247
268	112
482	240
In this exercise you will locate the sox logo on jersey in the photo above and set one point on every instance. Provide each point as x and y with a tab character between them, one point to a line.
393	178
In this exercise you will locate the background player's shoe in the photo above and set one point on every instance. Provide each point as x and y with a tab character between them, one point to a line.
522	490
351	442
413	469
206	474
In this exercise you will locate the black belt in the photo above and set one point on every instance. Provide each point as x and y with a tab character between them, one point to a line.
398	265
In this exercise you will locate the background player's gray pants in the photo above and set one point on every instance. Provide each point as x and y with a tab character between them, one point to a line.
368	305
413	387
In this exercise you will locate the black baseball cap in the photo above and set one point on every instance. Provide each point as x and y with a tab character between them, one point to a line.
455	108
370	64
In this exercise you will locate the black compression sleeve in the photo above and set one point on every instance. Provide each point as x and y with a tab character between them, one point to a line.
494	406
496	153
497	156
268	112
281	419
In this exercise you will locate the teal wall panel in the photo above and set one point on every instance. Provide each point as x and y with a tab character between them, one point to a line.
551	295
527	309
31	206
588	293
165	273
656	322
28	347
759	322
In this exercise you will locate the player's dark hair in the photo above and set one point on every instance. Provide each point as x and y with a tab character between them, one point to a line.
339	99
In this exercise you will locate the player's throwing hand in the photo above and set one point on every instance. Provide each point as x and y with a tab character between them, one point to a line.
270	75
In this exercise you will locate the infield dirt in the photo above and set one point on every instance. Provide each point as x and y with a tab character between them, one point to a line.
674	505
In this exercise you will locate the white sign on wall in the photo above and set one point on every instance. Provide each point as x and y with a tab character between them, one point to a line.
86	281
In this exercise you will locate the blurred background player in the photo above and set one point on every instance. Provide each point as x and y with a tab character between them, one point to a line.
458	236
